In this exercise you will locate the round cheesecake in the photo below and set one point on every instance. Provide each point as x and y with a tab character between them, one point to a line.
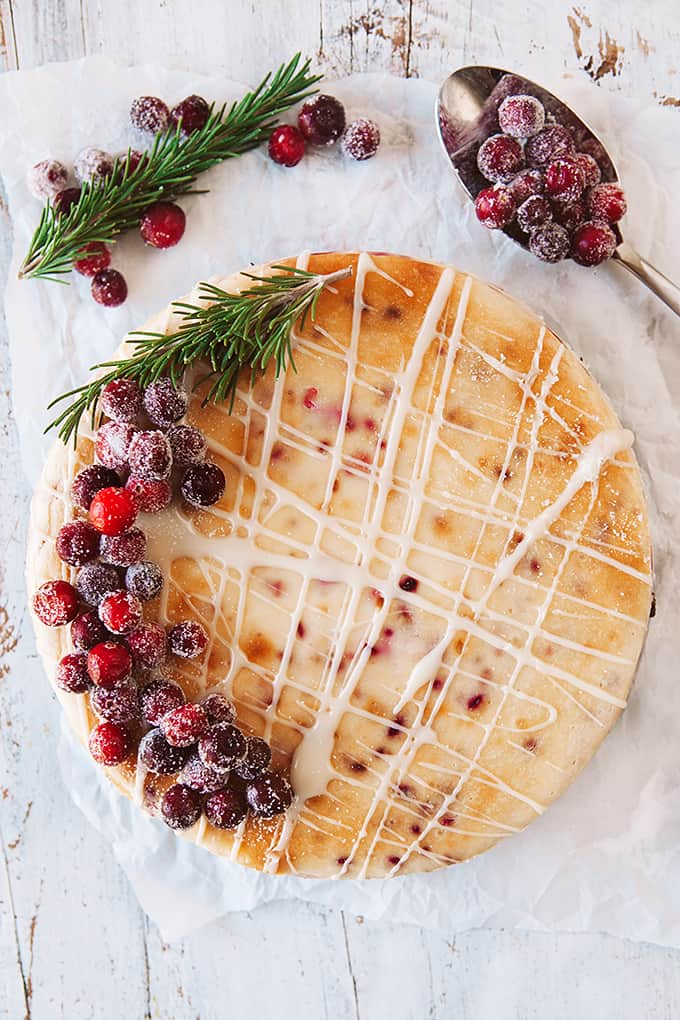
427	583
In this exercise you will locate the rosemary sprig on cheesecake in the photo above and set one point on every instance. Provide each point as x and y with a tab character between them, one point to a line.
248	330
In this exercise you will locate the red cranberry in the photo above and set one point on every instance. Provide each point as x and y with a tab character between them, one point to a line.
408	583
159	698
494	207
269	795
219	708
109	664
56	603
64	201
158	756
589	168
286	145
188	639
181	807
95	580
257	760
322	120
191	114
46	179
109	288
121	400
116	704
549	242
203	484
188	445
93	165
564	180
226	809
109	743
162	225
533	212
361	140
568	214
606	202
500	158
222	746
72	673
183	726
196	775
521	116
150	455
150	495
164	403
148	644
92	258
149	114
89	481
553	142
123	550
593	242
120	612
144	579
87	630
77	542
127	163
526	183
113	511
112	444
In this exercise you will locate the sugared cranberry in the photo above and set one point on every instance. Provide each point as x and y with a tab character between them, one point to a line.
361	140
56	603
151	496
269	795
159	698
64	201
593	242
87	630
109	664
95	580
71	673
109	288
257	759
120	612
219	708
549	242
47	178
112	444
188	639
144	579
533	212
149	114
500	158
564	180
127	163
123	550
521	116
568	214
113	511
162	225
115	704
93	165
322	120
203	484
150	455
553	142
183	726
181	806
164	403
199	777
121	400
222	746
606	202
226	809
92	258
188	445
526	183
286	145
77	542
494	207
191	114
109	743
148	644
89	481
158	756
589	167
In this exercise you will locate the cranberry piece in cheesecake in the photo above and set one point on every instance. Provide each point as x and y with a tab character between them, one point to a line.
164	403
150	495
123	550
95	580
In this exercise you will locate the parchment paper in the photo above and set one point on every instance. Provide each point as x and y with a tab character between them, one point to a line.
607	855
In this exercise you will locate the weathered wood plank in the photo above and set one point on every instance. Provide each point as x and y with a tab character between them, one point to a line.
8	49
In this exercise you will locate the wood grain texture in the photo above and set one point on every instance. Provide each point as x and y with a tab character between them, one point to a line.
73	941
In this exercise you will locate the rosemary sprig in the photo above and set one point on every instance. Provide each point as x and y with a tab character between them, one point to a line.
168	170
249	329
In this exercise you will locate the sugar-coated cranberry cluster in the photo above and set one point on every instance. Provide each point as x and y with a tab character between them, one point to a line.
117	654
320	122
553	192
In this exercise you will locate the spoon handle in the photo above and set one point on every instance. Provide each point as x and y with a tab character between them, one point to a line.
659	284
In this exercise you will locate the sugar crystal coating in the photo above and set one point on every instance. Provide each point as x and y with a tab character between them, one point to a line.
606	202
188	445
159	698
121	400
593	242
183	726
109	663
87	630
219	708
188	639
72	673
361	139
269	795
160	757
123	550
322	119
150	495
109	743
499	158
181	807
116	704
199	777
148	645
533	212
549	242
149	114
222	746
149	455
526	183
163	403
47	178
77	542
144	579
89	481
55	603
589	167
120	612
95	580
553	142
112	444
257	759
521	116
564	180
93	165
226	809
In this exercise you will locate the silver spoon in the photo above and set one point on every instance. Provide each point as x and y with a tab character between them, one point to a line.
467	114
